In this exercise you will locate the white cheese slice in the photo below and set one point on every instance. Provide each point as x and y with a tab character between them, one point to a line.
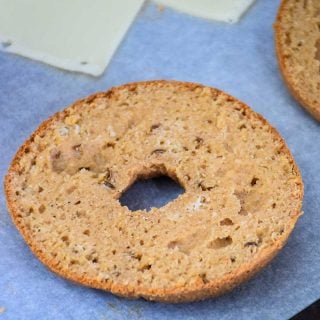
76	35
221	10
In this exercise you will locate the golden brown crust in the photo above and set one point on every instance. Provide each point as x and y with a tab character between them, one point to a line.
176	294
311	106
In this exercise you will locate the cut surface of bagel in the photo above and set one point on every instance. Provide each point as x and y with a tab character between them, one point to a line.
243	191
297	36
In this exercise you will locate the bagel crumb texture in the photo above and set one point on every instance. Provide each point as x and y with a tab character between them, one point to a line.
243	191
297	31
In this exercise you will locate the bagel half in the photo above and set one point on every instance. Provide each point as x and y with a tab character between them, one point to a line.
243	191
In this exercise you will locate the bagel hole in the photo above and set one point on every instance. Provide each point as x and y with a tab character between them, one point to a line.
153	190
